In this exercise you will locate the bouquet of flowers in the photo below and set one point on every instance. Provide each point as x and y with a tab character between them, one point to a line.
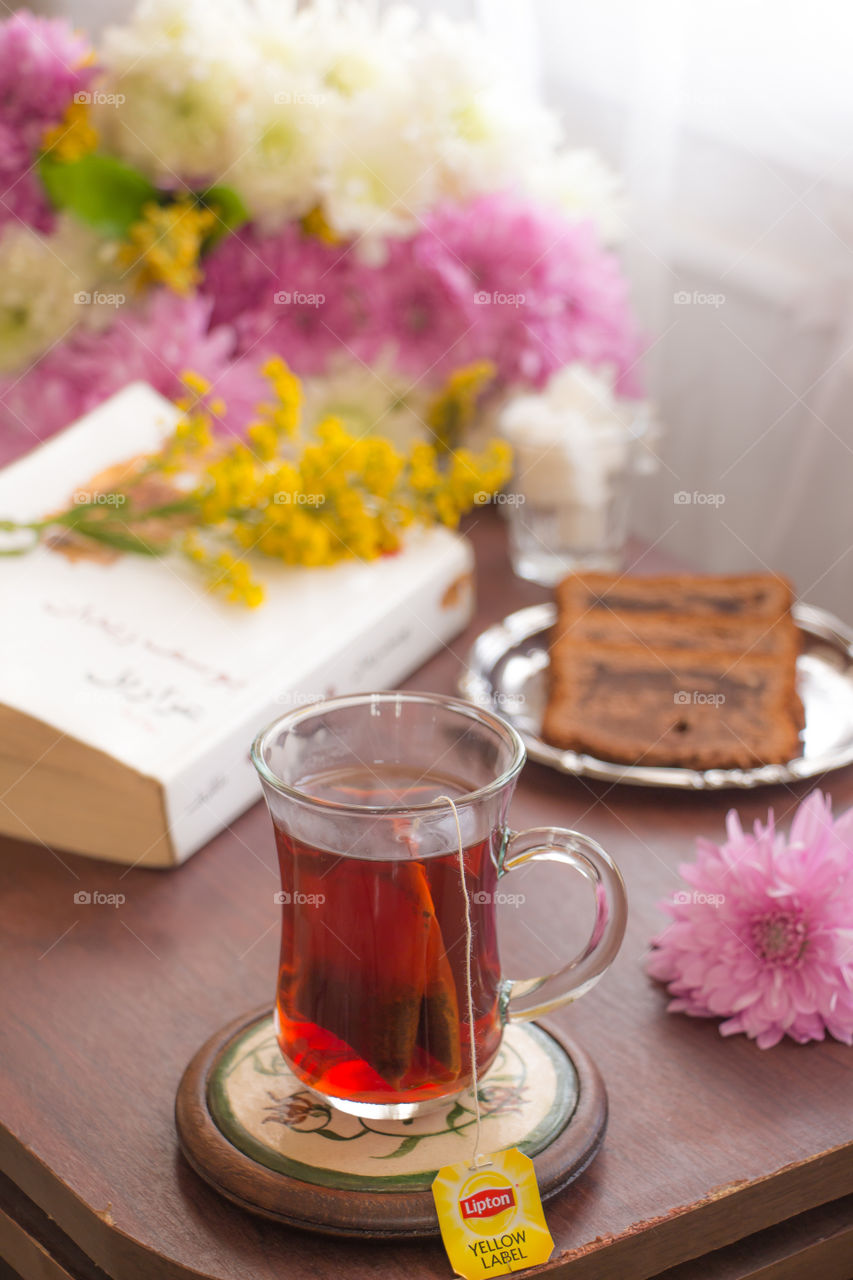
222	183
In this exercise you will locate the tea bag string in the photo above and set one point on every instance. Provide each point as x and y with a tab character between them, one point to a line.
477	1160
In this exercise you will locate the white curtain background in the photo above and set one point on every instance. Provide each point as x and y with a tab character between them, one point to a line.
733	126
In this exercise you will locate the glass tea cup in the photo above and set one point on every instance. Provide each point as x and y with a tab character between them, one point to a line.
372	997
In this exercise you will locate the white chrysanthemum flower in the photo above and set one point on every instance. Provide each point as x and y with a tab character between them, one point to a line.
48	284
487	129
378	157
444	124
382	179
174	76
351	49
580	185
281	128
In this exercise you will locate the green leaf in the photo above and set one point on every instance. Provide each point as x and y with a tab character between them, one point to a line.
229	209
101	191
407	1145
456	1112
333	1137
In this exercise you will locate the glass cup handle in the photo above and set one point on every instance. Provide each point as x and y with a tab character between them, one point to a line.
532	997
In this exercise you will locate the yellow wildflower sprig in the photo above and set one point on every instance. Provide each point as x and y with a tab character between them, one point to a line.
296	497
314	223
74	137
451	412
165	245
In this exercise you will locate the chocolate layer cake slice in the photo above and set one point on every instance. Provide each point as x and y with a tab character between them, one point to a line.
685	632
699	596
701	710
680	669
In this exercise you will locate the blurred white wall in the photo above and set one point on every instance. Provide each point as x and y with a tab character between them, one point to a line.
733	124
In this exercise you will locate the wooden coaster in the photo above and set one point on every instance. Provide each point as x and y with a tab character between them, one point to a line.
260	1138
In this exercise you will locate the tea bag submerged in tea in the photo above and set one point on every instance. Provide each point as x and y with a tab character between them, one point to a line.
440	1010
421	995
368	967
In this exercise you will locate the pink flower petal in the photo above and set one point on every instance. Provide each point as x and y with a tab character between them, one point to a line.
776	954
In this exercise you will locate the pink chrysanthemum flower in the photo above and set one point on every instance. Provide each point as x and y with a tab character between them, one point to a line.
498	279
764	938
155	342
428	314
43	64
540	291
291	294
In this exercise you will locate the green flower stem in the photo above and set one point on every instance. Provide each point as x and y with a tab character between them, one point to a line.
121	540
18	526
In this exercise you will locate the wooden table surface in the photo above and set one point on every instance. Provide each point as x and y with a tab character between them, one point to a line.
710	1140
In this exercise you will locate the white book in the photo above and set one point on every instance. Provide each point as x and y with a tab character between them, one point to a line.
129	696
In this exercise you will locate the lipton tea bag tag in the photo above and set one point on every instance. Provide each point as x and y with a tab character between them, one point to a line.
489	1208
490	1215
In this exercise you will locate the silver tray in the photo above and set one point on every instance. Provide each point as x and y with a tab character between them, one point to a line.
507	673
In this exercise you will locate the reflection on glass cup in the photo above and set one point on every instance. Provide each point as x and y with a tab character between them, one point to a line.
372	998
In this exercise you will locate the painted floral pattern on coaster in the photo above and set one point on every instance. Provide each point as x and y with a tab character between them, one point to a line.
527	1098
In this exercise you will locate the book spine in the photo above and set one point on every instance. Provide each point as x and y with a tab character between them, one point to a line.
221	783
